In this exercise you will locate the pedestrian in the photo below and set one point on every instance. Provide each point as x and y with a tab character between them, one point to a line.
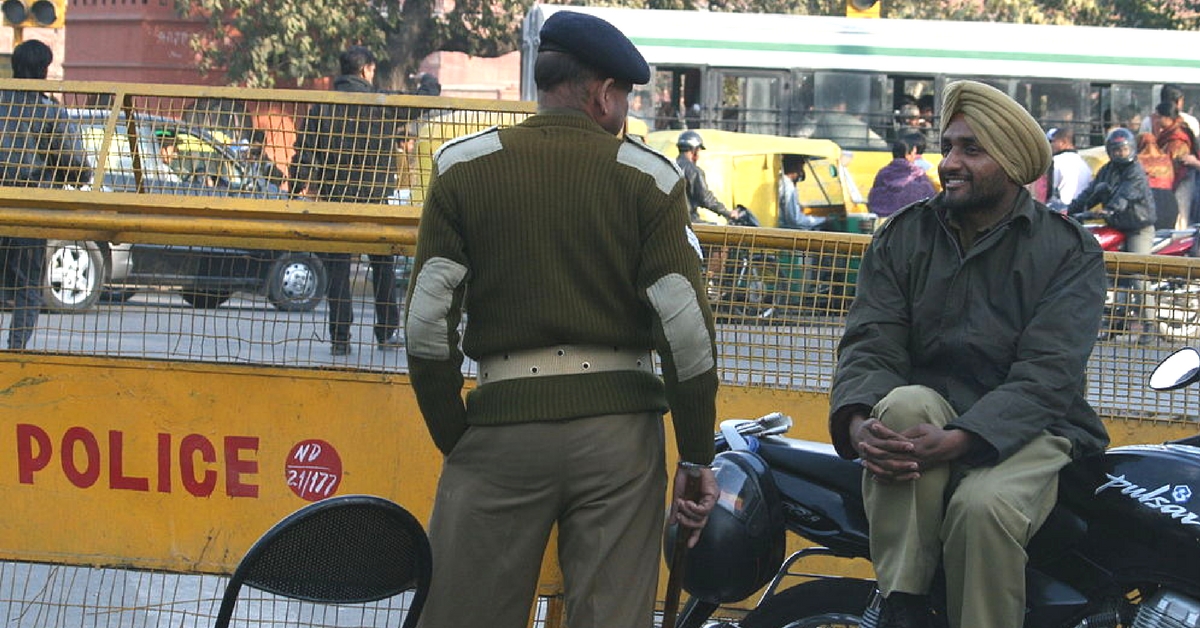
1160	174
1069	172
571	252
900	183
1176	131
960	375
344	153
42	148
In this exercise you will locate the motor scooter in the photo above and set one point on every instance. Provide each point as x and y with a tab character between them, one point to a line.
1174	304
1121	547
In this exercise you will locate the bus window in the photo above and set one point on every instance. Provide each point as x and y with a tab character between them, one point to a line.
677	104
1054	103
1001	84
642	103
1114	105
913	105
848	109
799	119
750	102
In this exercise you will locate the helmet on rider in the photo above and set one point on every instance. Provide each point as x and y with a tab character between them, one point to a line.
689	141
1121	146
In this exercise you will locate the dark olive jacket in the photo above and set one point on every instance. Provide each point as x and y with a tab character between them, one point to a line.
1003	331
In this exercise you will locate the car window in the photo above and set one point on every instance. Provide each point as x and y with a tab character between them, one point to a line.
119	172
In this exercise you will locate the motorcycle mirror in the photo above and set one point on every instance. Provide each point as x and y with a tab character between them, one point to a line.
1176	371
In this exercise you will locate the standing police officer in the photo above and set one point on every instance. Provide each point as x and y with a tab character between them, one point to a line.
571	251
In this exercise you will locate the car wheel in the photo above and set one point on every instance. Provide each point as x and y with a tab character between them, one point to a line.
74	275
205	299
296	282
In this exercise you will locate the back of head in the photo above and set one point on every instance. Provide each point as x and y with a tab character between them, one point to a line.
1167	109
31	60
1170	93
793	163
574	45
900	149
354	59
1061	138
916	140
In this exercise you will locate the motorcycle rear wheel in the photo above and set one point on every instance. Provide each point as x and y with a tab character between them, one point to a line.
830	603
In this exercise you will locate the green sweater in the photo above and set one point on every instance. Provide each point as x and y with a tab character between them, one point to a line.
555	232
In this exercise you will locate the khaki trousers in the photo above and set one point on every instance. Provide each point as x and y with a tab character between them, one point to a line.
979	530
602	480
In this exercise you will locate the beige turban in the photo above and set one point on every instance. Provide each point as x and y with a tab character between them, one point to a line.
1009	134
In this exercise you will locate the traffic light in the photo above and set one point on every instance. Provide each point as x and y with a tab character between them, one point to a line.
34	13
863	8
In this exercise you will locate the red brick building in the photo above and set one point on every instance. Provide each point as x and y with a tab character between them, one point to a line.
145	41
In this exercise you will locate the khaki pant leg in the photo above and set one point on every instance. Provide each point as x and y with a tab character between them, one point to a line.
905	517
496	502
610	531
990	518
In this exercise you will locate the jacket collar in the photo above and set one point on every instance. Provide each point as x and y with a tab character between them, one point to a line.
352	83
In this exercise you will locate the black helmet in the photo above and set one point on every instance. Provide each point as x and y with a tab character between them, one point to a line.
689	140
742	544
1121	146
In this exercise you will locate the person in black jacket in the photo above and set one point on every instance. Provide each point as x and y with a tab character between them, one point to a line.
1122	191
39	148
698	195
344	153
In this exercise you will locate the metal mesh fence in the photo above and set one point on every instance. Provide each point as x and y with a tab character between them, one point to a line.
36	595
266	227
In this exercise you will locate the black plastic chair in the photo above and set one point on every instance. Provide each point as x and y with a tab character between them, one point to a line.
352	549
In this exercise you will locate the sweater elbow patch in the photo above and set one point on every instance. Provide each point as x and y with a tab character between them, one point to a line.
683	323
665	175
427	327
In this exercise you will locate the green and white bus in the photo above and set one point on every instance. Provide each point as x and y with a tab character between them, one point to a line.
850	80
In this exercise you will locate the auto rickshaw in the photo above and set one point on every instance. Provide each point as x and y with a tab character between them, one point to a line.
744	169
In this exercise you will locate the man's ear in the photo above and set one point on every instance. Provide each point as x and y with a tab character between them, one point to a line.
602	94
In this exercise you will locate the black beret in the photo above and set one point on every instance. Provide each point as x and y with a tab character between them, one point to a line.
597	44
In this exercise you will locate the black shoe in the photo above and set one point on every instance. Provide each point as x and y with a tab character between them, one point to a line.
340	347
905	610
393	341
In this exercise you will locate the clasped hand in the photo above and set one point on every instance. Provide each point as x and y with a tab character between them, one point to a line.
891	456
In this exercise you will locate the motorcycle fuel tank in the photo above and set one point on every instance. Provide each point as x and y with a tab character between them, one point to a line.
1145	498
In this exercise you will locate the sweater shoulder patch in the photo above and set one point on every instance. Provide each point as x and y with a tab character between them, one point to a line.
637	155
468	147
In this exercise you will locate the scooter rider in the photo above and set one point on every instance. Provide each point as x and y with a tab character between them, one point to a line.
1122	191
698	195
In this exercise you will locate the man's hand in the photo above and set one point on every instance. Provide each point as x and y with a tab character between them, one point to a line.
933	445
887	455
691	511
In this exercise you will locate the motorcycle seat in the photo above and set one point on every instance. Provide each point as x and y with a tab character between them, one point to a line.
810	459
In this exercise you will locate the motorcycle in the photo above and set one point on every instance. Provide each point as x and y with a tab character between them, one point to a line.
1174	304
1121	547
